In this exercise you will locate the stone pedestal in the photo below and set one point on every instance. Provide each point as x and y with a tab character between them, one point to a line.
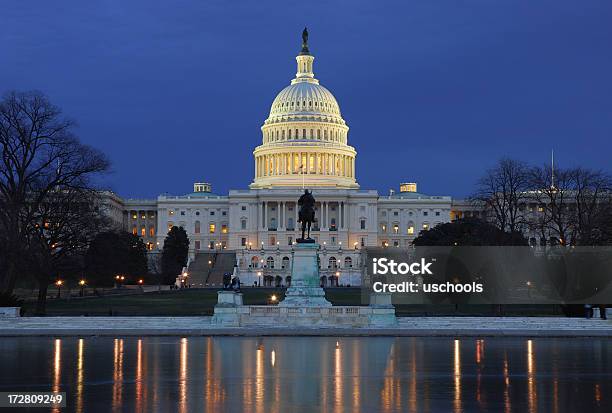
227	310
305	290
10	311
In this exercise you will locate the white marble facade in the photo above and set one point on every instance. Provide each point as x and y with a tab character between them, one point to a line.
304	144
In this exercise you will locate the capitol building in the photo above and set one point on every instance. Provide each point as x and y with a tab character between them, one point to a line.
304	144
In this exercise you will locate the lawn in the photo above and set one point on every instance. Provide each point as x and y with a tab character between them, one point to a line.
193	302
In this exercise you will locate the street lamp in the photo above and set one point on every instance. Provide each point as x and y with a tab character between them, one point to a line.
82	285
355	244
59	283
259	277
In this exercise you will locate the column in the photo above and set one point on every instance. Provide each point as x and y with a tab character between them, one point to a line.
340	205
263	215
327	215
280	215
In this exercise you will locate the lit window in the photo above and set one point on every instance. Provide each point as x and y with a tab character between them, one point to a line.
143	232
170	225
171	212
143	216
411	230
395	228
224	229
134	230
151	231
134	215
425	227
211	228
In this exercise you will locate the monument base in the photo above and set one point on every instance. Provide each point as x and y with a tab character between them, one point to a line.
305	290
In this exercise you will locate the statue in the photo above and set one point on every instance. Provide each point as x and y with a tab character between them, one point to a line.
306	215
305	41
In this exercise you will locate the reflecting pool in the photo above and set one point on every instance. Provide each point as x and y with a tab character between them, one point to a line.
313	374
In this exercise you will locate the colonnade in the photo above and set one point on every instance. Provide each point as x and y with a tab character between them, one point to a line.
296	163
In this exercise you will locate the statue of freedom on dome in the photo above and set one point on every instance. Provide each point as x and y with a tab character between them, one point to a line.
306	215
305	41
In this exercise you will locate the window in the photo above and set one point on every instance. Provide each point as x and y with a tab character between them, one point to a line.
348	262
224	213
170	225
383	227
211	228
224	228
333	223
425	226
212	213
395	213
333	263
198	213
289	240
285	262
363	223
396	228
363	242
270	262
411	230
290	224
197	245
151	215
143	215
437	213
243	242
183	213
197	227
171	212
272	240
425	213
243	208
134	215
134	230
151	231
143	231
243	224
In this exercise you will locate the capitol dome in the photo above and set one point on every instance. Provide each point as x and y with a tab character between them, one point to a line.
305	137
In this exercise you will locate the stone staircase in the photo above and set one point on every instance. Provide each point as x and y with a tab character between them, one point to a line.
202	273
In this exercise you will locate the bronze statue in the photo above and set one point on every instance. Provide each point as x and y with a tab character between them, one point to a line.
306	215
305	42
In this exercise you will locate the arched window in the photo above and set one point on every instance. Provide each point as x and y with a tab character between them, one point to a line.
197	227
270	262
333	263
254	262
285	262
348	262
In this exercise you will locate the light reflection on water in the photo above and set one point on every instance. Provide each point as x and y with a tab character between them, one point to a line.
309	374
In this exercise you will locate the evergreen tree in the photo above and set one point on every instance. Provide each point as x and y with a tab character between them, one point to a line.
174	254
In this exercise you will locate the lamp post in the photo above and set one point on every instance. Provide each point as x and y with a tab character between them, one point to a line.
259	277
59	283
82	285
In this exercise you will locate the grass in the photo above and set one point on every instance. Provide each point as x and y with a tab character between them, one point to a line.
194	302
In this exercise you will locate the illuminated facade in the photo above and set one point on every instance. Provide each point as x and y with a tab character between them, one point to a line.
304	144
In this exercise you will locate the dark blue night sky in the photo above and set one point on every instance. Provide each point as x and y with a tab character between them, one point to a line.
434	91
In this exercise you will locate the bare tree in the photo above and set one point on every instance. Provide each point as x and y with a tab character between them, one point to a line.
40	158
501	191
573	202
